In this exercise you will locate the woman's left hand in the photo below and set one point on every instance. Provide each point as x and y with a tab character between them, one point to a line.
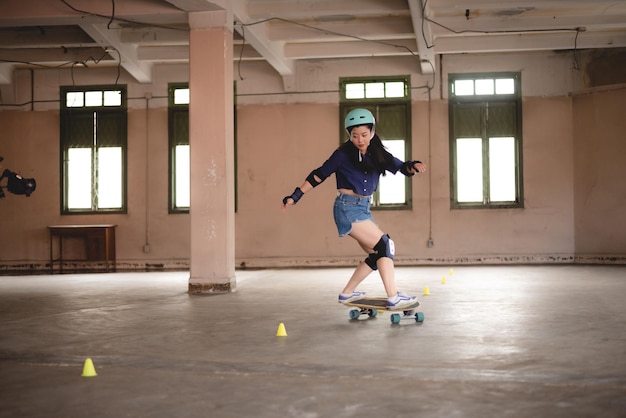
419	168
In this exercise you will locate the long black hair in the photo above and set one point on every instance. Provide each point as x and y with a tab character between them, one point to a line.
381	159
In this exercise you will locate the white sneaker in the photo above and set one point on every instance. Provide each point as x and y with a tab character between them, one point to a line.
400	301
349	298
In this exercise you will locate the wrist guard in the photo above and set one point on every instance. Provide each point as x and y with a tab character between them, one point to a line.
296	195
407	166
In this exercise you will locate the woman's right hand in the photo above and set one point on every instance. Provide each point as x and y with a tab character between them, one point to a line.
287	201
292	198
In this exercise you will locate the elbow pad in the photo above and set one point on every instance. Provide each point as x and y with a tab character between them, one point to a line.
311	178
404	169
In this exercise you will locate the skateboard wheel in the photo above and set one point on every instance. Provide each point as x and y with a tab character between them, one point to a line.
419	317
395	318
372	313
354	314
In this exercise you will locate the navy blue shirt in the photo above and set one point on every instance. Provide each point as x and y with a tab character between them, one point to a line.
361	181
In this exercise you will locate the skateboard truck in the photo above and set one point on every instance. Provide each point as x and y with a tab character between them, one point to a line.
356	313
417	316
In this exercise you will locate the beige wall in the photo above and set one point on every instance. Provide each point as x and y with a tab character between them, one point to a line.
600	191
33	151
572	151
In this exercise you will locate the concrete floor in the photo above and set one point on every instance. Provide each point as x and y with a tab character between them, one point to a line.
497	342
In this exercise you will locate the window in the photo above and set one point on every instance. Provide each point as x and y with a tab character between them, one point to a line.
390	102
485	140
93	149
179	156
179	169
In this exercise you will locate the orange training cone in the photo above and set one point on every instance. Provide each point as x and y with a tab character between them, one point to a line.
88	369
282	332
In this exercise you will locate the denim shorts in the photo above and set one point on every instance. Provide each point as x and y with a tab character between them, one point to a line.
349	209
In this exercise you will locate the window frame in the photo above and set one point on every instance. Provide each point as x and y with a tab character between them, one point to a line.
374	105
484	100
172	109
66	115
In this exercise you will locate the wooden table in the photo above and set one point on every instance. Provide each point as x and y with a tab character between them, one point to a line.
99	241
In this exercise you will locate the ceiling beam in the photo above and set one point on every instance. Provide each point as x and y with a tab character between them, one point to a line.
423	36
180	53
523	23
391	27
257	36
198	5
325	10
502	43
39	37
15	13
350	49
141	71
54	55
154	36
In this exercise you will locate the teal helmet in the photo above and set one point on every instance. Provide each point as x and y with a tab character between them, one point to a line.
359	117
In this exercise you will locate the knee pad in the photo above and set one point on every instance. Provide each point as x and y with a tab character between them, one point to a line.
384	248
371	261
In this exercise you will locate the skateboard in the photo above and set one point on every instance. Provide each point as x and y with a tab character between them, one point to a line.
371	306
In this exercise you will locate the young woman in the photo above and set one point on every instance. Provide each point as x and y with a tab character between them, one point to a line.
358	165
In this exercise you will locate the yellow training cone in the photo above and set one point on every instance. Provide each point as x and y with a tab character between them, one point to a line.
426	291
443	280
282	332
451	272
88	369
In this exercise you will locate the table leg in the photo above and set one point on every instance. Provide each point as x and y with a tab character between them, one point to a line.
51	254
60	254
106	249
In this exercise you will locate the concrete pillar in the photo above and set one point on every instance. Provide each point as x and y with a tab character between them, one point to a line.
211	140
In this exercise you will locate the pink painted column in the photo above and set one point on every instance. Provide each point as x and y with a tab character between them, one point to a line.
211	140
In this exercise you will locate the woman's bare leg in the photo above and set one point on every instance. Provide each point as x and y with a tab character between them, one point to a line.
367	235
361	272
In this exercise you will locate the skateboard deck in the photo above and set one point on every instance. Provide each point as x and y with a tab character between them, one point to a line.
371	306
